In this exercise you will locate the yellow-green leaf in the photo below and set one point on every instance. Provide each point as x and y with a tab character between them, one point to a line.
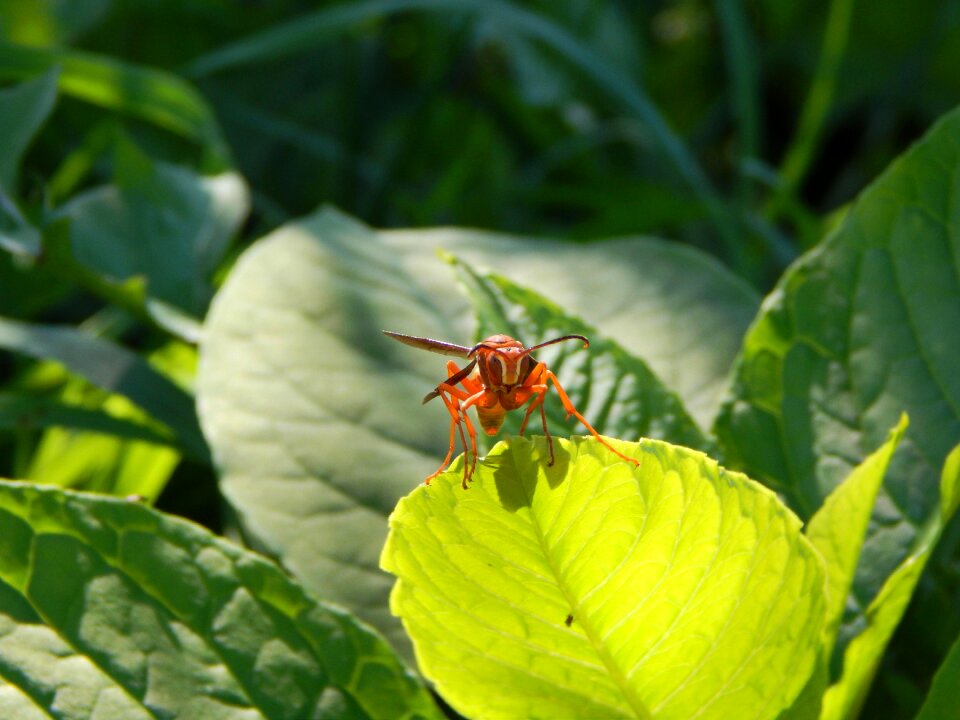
595	589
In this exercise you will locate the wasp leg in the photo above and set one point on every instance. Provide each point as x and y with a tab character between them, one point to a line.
539	392
453	407
571	410
467	404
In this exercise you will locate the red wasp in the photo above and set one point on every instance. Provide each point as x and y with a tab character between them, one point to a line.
501	376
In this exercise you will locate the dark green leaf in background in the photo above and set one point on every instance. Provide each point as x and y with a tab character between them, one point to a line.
161	98
860	330
113	368
161	221
23	109
861	659
111	610
29	411
941	703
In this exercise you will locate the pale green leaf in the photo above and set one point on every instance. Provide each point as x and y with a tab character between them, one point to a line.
659	300
843	700
111	610
297	382
596	589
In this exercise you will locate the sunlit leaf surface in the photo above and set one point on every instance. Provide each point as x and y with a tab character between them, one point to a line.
596	589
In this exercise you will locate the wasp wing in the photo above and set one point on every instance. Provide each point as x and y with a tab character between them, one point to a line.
452	380
436	346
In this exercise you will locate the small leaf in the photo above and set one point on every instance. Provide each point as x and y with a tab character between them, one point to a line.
693	592
838	528
109	609
160	221
862	657
25	109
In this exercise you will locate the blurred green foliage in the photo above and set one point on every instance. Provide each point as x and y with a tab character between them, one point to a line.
144	145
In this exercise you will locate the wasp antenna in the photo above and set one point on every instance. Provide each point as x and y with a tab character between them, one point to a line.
586	343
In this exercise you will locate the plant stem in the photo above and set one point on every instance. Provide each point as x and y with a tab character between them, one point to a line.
809	130
741	64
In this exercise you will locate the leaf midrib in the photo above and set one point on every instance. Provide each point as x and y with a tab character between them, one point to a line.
631	698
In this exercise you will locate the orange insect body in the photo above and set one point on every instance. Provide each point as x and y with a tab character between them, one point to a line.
501	376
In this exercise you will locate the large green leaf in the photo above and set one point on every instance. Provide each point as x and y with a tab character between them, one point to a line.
656	299
844	699
160	221
858	331
25	108
111	610
297	384
593	589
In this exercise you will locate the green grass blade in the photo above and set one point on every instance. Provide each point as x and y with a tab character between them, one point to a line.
744	82
819	101
315	28
19	411
112	368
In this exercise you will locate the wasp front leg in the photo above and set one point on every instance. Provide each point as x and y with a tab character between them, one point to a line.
453	407
458	402
538	393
